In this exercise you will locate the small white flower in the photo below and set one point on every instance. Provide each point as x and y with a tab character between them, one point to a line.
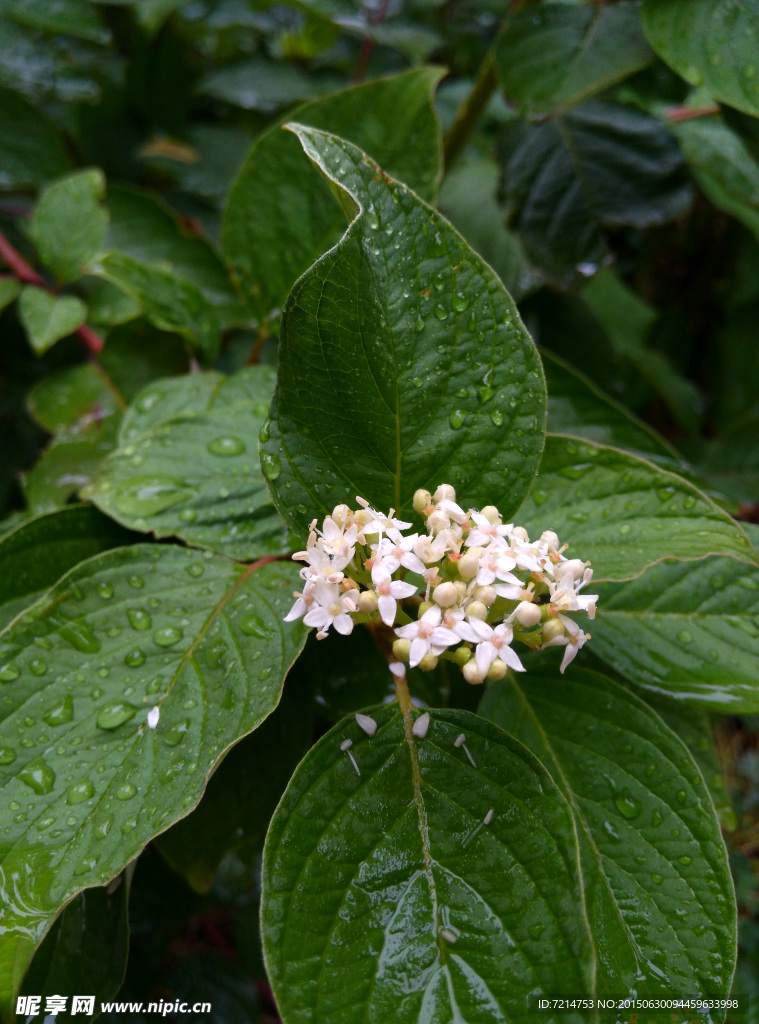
388	593
573	639
491	644
303	602
331	608
485	532
395	550
427	636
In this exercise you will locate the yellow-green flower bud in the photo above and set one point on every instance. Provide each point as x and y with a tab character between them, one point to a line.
367	602
428	662
446	595
462	655
469	564
460	589
342	515
401	649
551	539
497	669
444	491
422	500
573	565
424	607
476	610
552	629
492	514
521	533
472	673
527	614
485	594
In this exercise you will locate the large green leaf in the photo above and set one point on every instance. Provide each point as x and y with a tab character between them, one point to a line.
403	361
187	464
69	17
624	513
31	151
48	318
687	629
598	165
723	166
655	872
578	406
85	783
69	224
710	43
73	397
280	217
423	888
40	550
559	55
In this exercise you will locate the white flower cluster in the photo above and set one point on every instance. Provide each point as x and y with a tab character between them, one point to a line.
465	589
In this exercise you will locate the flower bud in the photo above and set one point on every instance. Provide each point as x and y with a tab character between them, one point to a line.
401	649
367	602
428	662
422	499
485	594
342	515
469	564
462	655
438	521
497	669
550	539
573	566
460	589
472	673
520	533
527	614
476	610
444	491
362	517
492	514
446	595
552	629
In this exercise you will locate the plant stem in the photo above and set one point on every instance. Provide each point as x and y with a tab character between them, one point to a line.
402	694
26	274
676	114
470	111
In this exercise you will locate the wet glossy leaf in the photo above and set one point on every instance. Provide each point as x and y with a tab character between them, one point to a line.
655	871
280	217
686	629
41	549
623	512
424	888
76	395
559	55
710	43
69	224
242	793
87	947
47	319
87	782
187	465
259	84
419	367
598	165
576	405
31	151
723	166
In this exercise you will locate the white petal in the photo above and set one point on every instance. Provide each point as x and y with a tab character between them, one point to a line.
399	589
318	617
343	624
512	659
386	605
418	650
298	609
484	655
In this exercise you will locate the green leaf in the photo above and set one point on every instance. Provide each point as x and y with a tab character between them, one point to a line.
557	56
138	353
9	292
68	463
76	394
655	872
419	368
187	465
723	167
280	217
69	224
710	43
87	947
259	84
623	513
730	463
42	549
598	165
61	17
689	630
467	199
241	796
195	635
627	320
578	406
47	319
31	151
386	896
694	727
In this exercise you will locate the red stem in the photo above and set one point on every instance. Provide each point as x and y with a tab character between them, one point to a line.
26	274
677	114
